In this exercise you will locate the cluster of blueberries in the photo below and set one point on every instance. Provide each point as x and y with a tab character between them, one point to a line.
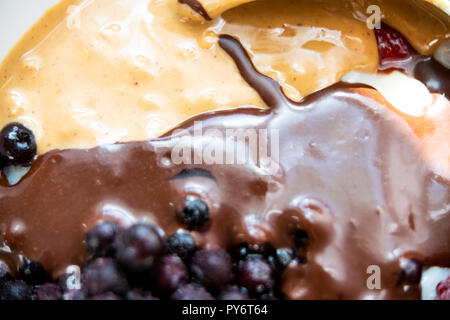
137	263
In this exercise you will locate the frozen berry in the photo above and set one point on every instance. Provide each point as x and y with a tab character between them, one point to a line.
191	292
48	291
392	46
411	271
16	290
137	294
103	275
195	213
4	276
101	237
106	296
182	244
301	238
138	247
234	293
170	273
33	273
74	294
255	274
443	290
212	267
17	145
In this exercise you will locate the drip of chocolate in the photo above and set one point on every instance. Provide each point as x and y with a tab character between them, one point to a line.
338	165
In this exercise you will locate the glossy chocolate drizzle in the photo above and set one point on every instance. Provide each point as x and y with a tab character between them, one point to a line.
350	172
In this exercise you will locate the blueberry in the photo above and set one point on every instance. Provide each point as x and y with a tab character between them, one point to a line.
16	290
48	291
137	294
100	239
195	214
255	274
191	292
212	267
234	293
169	273
102	275
4	276
182	244
411	271
138	247
106	296
74	294
17	145
301	238
33	273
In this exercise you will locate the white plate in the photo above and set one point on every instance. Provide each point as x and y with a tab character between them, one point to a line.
16	17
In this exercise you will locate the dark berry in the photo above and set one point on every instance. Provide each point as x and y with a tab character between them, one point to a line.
16	290
182	244
74	294
234	293
443	290
195	213
392	46
137	294
170	273
191	292
255	274
301	238
106	296
212	267
101	237
33	273
102	275
411	272
138	247
17	145
4	276
48	291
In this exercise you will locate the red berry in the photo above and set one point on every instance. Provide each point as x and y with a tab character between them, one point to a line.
392	46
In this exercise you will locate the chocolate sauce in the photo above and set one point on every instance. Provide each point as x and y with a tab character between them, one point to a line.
197	7
349	172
